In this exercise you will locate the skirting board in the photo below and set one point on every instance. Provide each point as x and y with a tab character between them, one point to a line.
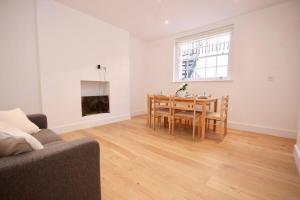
248	127
263	130
297	157
89	124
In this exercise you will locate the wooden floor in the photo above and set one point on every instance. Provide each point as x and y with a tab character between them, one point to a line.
138	163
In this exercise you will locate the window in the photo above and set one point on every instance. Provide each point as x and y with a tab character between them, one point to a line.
203	56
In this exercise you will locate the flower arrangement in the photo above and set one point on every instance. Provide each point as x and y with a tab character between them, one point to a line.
181	88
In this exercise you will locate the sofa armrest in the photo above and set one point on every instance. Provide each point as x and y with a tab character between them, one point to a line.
39	119
59	171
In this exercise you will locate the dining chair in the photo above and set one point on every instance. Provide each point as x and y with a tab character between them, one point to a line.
199	109
208	106
162	108
149	109
219	116
184	108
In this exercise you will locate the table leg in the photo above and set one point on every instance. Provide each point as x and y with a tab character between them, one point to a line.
199	127
215	110
203	120
149	117
148	110
150	113
165	122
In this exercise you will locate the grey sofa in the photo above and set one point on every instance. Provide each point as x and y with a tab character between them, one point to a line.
60	171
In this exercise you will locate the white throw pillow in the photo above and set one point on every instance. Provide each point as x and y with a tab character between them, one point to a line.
17	118
13	131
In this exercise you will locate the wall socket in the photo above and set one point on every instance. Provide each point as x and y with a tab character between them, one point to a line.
101	67
270	78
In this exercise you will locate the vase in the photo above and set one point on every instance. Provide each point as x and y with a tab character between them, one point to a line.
181	93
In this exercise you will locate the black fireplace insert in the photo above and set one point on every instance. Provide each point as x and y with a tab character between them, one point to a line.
94	105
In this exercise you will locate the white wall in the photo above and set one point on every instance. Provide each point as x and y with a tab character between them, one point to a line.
71	45
265	43
138	76
19	75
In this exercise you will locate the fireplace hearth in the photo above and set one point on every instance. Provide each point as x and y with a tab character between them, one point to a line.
94	97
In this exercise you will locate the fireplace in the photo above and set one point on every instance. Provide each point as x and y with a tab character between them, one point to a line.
94	105
94	97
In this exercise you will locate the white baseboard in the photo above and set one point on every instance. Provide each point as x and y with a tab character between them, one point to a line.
263	129
89	123
297	157
138	112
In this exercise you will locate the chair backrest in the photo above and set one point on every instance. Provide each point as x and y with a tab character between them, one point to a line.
184	104
161	101
208	105
150	100
224	107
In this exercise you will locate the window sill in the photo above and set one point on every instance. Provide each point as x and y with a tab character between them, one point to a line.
208	80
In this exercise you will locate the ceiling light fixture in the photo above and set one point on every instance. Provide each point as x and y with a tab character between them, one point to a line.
166	22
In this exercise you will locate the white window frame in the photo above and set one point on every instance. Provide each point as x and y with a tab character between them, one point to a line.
176	63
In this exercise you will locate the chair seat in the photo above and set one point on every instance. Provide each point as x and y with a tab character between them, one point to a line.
213	115
187	114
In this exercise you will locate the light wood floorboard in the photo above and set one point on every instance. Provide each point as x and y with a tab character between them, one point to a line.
138	163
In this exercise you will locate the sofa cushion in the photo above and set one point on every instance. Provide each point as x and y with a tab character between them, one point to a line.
46	136
11	145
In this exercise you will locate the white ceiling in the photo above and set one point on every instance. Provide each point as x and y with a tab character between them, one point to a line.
146	18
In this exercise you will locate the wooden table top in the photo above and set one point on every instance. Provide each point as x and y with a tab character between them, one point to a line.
198	99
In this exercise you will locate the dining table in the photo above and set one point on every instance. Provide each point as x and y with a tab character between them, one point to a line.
203	102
